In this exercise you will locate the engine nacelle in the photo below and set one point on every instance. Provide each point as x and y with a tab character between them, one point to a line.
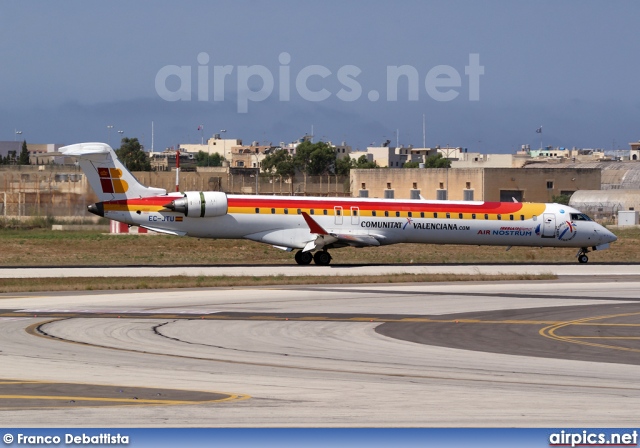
200	204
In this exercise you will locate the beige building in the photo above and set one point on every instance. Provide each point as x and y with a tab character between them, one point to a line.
469	184
477	160
389	156
249	156
214	144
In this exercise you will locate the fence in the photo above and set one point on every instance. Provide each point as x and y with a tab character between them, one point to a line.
63	191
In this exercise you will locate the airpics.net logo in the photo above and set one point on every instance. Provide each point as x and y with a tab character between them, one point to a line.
440	83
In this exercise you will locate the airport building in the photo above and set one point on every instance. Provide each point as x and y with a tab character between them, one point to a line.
473	184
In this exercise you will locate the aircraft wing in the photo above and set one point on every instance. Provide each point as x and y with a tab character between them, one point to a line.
324	238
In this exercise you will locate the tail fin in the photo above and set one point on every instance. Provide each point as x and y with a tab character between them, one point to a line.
108	177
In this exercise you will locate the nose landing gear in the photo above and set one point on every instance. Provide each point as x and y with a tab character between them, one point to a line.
582	255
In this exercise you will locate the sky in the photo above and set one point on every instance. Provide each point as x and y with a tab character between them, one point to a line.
484	75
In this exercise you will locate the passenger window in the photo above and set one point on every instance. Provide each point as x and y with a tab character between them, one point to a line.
312	212
397	214
511	217
435	215
338	212
486	216
257	210
521	217
409	214
460	215
473	216
299	211
386	213
273	211
286	211
422	214
373	213
448	215
499	217
324	212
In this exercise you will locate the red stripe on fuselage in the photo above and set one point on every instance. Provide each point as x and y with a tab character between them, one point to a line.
324	203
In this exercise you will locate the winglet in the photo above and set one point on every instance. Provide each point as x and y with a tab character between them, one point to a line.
313	226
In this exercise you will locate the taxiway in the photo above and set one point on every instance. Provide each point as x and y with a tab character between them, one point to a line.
543	353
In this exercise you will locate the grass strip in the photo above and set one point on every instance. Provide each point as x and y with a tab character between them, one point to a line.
8	285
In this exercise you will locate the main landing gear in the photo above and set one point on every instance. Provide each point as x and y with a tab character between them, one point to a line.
321	258
582	255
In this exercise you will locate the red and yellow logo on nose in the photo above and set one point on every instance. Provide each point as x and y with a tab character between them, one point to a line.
110	179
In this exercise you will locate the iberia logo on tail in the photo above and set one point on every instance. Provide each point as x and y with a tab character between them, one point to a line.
110	179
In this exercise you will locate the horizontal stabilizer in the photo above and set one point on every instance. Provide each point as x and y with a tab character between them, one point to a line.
108	177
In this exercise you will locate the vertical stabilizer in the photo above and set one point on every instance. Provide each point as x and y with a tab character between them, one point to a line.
107	175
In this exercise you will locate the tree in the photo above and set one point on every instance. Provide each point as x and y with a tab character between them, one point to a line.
131	154
364	164
561	199
315	158
411	165
23	159
437	161
346	164
343	166
279	163
206	159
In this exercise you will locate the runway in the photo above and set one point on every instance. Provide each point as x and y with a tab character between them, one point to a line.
543	353
586	270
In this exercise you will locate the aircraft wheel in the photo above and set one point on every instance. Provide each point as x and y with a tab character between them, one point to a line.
303	257
322	258
583	258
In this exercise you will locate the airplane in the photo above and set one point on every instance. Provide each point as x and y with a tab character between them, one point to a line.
312	225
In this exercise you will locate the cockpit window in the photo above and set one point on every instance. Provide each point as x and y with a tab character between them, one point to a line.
579	217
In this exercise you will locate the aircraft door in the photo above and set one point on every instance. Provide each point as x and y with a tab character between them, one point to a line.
355	216
549	225
337	211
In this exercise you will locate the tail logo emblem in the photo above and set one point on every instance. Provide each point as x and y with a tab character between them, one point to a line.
110	179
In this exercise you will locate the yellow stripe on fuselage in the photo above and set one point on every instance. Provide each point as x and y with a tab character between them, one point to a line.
528	211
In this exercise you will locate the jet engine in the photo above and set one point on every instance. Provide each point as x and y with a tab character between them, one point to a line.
200	204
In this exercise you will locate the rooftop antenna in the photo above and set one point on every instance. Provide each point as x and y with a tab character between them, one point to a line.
424	133
151	136
397	138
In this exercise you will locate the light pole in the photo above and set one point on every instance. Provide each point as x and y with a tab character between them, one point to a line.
120	132
257	172
109	127
224	145
16	133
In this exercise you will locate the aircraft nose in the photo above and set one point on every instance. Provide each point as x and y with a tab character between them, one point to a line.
607	236
611	237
